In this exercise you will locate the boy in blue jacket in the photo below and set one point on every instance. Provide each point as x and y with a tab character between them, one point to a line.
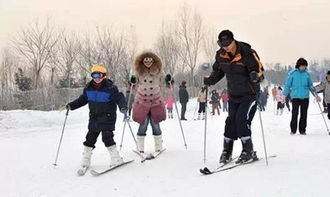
299	83
102	97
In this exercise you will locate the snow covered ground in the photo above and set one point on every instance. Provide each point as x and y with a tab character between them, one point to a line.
29	140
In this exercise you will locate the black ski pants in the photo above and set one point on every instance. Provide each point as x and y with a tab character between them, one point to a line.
107	138
240	116
202	106
303	105
183	110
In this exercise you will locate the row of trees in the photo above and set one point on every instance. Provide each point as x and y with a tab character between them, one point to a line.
49	56
43	58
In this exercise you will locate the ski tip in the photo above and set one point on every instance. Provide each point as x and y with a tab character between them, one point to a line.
205	171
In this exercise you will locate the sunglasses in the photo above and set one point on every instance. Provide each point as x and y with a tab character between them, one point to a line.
97	75
148	60
224	43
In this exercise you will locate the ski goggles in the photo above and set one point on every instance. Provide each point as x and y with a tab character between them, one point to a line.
97	75
224	42
148	60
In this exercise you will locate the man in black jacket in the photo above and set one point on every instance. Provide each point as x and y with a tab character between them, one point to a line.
243	70
102	97
184	97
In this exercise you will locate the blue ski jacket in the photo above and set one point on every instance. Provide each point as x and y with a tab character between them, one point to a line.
298	83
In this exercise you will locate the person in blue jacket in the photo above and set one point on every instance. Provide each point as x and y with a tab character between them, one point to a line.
102	97
299	83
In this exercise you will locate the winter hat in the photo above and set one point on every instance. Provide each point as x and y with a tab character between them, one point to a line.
99	68
328	73
225	38
301	62
183	83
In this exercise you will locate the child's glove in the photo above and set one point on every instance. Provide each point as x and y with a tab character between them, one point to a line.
63	107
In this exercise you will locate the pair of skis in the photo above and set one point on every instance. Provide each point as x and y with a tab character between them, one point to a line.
230	165
82	171
94	172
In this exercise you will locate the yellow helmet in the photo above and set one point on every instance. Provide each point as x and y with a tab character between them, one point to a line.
99	68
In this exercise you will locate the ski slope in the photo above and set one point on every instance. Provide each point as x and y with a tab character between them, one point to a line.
29	140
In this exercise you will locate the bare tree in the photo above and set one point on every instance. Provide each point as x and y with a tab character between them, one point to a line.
88	53
8	66
168	48
114	50
190	33
70	48
35	44
210	45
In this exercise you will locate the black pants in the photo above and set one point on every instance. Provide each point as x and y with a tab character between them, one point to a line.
107	138
202	106
239	119
183	110
303	105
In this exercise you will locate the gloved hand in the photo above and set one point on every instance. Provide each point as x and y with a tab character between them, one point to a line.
123	110
253	76
168	78
207	81
63	107
133	79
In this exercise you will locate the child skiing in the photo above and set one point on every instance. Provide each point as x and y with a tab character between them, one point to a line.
102	97
169	106
148	106
280	99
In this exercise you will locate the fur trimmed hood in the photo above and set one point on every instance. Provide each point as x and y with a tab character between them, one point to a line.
142	70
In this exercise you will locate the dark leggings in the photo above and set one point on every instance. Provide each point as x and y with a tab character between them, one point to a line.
202	106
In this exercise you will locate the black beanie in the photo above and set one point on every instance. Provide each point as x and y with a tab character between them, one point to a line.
226	34
301	61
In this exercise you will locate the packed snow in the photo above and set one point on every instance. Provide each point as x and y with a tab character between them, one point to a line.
29	141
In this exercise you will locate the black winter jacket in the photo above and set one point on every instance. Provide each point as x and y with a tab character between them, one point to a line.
237	70
183	94
102	104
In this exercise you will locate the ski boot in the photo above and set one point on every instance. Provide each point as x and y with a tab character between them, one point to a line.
247	153
86	160
140	143
114	155
87	156
226	154
158	143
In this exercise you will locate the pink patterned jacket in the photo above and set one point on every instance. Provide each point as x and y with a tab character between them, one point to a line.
148	98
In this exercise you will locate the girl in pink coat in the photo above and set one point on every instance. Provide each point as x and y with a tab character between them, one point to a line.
148	106
169	106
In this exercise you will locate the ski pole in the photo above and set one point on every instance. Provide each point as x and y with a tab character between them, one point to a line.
59	145
177	112
205	126
136	145
262	131
325	122
128	103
